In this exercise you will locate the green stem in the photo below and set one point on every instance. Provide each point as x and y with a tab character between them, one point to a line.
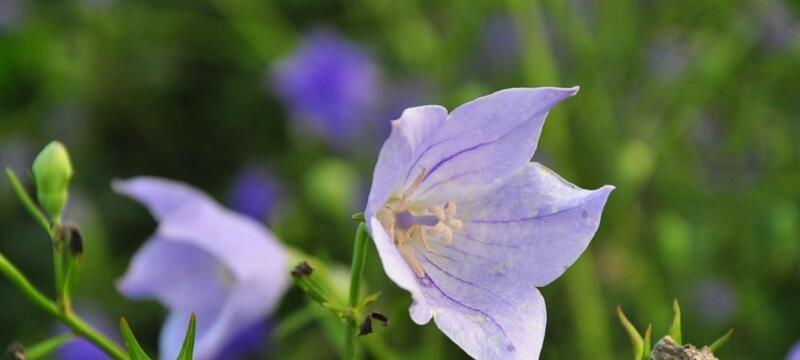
27	201
78	326
356	270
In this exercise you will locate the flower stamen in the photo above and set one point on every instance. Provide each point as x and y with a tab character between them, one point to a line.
405	226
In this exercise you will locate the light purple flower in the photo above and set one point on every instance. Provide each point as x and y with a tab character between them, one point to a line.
330	84
203	259
463	221
794	353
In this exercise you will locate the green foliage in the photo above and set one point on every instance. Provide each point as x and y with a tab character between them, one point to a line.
134	349
187	349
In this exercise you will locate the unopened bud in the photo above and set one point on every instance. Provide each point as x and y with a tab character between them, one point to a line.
52	171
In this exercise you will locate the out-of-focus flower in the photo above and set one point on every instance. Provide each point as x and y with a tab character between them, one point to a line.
247	342
794	353
82	349
463	221
254	193
330	85
203	259
780	27
715	301
500	47
12	13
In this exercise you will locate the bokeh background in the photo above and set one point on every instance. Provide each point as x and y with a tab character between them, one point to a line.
277	109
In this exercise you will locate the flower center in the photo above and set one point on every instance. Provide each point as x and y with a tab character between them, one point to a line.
407	226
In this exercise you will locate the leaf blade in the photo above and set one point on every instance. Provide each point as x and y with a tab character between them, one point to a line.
133	346
187	349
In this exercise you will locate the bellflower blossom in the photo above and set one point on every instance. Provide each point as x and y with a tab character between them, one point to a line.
330	84
203	259
464	222
794	352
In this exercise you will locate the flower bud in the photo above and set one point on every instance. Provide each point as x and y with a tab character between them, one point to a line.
52	171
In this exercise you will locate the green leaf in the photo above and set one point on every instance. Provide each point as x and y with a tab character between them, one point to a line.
633	334
721	341
646	348
675	328
369	299
188	342
358	217
134	349
45	348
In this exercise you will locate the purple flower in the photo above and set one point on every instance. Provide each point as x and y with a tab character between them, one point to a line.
794	353
203	259
470	227
254	193
12	14
329	84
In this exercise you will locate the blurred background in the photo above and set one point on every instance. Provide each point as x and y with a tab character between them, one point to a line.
277	109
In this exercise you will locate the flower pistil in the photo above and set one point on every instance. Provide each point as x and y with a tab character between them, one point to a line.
404	222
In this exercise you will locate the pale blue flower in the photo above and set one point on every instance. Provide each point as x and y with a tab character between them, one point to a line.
203	259
463	221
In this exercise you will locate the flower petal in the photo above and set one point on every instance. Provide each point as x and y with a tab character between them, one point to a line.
484	324
160	196
399	271
484	140
408	132
526	231
254	262
175	274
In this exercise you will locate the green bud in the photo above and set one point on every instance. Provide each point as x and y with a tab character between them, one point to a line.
52	171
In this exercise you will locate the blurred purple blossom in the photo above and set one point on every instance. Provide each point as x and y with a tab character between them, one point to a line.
330	84
254	192
203	259
500	45
465	222
12	13
780	27
794	352
247	342
715	301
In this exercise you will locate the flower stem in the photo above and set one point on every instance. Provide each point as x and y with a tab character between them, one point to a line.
356	271
27	201
69	318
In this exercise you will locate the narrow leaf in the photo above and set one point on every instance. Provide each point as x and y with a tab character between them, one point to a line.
27	201
646	348
45	348
633	334
188	342
721	341
369	299
134	349
675	328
